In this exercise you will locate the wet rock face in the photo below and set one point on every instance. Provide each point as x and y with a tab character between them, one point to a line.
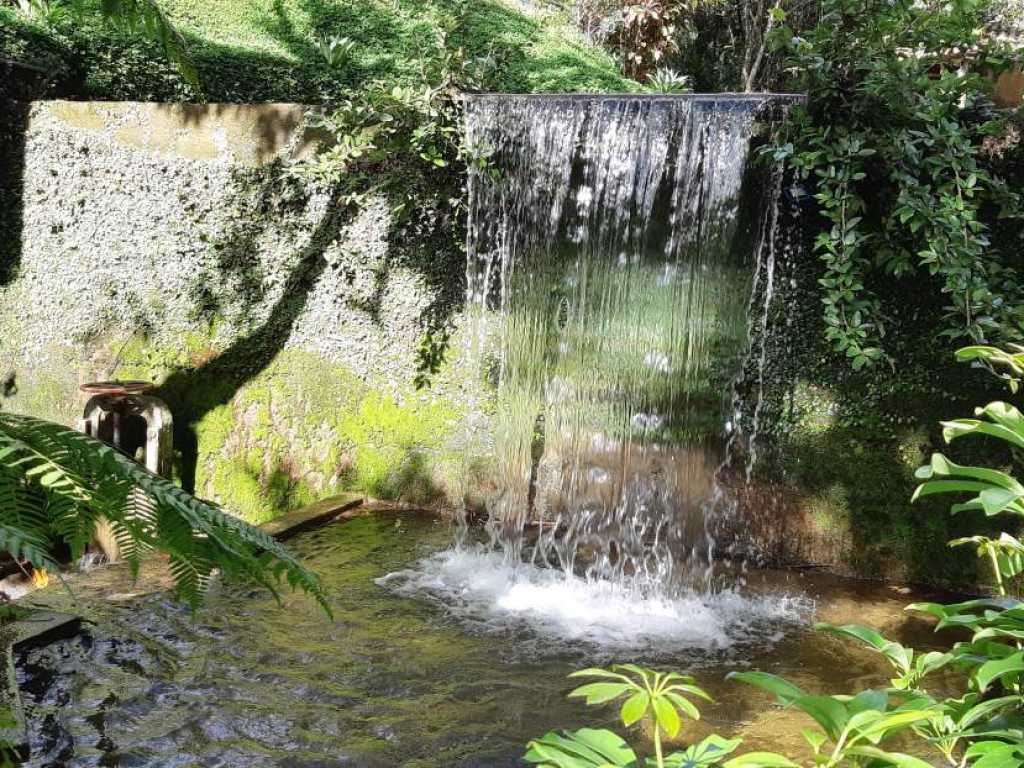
165	242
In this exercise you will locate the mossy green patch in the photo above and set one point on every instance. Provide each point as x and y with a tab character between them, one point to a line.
300	430
830	510
860	489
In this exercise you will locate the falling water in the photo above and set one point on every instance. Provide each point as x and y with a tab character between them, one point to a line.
620	258
610	272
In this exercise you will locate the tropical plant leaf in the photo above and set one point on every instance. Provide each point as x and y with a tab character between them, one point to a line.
709	751
997	669
599	693
760	760
635	707
585	748
666	716
61	483
786	691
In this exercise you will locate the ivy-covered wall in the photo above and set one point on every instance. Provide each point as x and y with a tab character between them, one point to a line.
282	324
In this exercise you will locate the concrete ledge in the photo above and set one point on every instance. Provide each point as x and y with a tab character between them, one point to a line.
243	134
43	627
38	628
312	516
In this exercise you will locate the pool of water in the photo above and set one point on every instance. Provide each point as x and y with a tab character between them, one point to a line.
433	658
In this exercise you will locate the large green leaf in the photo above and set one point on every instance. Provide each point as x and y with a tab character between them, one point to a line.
997	669
900	656
786	691
635	707
995	754
827	711
709	751
599	693
942	467
760	760
666	716
880	728
585	748
889	758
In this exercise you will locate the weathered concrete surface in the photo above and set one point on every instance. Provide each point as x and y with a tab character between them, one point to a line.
242	134
281	322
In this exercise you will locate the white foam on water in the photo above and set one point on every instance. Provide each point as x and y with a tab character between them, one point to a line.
484	589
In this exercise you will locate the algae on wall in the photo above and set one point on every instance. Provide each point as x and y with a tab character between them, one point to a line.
281	323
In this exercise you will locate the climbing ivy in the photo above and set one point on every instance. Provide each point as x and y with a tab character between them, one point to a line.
892	145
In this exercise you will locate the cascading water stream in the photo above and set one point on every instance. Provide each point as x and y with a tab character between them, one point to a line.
613	245
610	271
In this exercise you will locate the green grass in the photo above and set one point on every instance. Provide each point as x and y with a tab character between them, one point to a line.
262	50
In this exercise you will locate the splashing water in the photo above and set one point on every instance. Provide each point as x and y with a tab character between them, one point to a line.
610	274
483	589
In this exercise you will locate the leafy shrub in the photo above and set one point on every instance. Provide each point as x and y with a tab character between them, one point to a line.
661	697
892	144
983	726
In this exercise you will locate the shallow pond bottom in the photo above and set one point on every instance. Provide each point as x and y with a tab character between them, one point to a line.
434	658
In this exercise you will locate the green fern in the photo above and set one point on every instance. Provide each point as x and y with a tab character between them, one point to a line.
57	484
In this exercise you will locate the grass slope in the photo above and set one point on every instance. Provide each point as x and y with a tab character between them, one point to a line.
262	50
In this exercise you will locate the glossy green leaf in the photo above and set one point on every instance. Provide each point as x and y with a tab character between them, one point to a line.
889	758
995	754
635	707
827	712
783	689
684	705
666	716
997	669
760	760
585	748
709	751
599	693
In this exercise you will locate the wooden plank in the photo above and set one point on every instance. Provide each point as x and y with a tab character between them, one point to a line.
312	516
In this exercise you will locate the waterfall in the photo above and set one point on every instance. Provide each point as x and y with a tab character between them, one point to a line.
613	245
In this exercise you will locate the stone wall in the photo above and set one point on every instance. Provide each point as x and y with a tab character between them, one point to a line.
169	242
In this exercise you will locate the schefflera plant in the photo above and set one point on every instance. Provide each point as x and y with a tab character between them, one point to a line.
992	491
665	698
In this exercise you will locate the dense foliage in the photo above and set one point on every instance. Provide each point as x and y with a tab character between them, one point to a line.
896	143
909	166
56	485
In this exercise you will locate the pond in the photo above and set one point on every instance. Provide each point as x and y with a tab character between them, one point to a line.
432	659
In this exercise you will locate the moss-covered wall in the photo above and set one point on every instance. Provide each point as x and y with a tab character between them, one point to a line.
281	323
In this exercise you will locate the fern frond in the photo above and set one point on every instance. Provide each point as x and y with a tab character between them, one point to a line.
60	480
24	545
